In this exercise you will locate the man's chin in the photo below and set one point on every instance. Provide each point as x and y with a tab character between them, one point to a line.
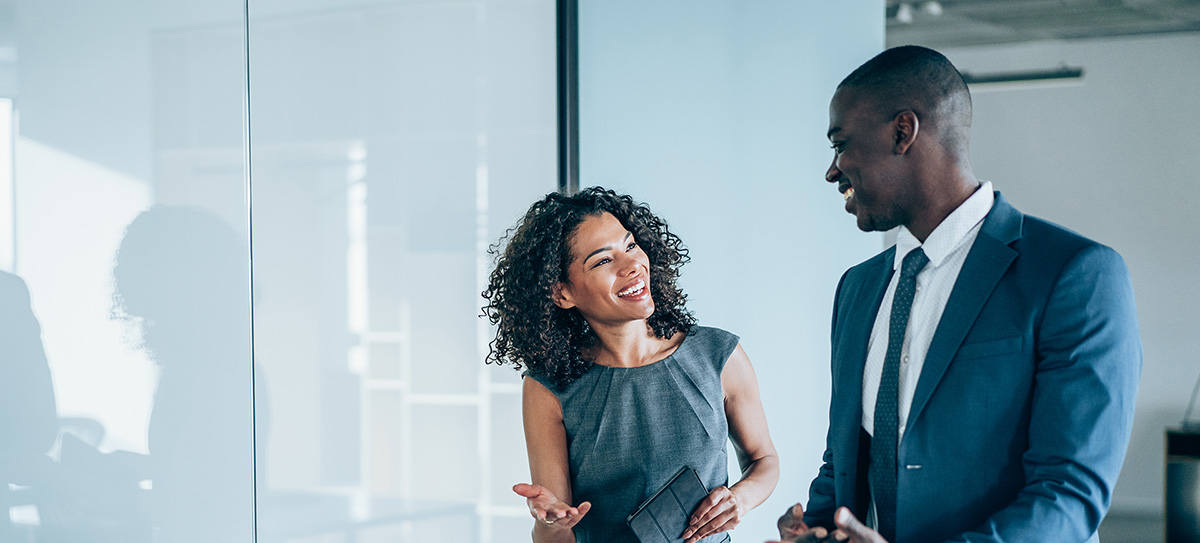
875	224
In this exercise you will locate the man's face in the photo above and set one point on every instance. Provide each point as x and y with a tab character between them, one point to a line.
865	165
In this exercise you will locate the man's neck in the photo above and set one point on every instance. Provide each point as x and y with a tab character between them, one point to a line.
940	205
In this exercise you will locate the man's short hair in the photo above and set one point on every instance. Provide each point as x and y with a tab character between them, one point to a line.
916	78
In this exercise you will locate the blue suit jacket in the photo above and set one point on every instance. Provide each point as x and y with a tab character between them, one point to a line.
1022	414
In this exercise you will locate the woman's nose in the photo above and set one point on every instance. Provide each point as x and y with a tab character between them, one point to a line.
629	266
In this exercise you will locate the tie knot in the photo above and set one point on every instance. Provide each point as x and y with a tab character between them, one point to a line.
913	263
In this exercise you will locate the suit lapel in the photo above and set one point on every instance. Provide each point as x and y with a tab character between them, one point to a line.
858	326
989	258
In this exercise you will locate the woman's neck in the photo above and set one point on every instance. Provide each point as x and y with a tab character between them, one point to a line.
630	345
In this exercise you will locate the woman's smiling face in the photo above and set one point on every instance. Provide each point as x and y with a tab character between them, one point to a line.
608	279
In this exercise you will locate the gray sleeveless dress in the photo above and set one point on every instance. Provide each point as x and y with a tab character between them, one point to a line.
629	430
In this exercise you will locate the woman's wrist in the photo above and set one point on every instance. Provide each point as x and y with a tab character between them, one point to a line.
752	490
741	500
549	533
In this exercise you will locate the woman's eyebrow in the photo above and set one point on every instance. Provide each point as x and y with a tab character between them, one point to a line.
605	248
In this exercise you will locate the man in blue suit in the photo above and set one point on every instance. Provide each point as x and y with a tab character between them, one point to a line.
985	367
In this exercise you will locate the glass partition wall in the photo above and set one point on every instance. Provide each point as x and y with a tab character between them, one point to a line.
392	143
241	251
242	244
126	413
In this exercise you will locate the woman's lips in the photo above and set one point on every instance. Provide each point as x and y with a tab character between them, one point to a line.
635	291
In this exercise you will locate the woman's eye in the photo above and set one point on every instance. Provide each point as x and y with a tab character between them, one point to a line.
601	262
632	246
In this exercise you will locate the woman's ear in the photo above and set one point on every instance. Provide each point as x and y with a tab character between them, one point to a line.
562	296
907	125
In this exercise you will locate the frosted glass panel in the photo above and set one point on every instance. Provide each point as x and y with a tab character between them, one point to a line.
392	142
125	324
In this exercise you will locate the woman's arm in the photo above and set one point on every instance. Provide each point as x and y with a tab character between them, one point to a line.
724	507
549	497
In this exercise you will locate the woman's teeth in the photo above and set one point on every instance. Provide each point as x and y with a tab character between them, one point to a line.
637	288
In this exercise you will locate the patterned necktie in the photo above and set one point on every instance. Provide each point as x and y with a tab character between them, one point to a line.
885	440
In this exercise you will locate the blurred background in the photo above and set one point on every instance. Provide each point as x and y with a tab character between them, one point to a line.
242	242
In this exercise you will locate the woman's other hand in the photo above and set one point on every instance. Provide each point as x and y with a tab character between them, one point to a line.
548	509
719	512
724	507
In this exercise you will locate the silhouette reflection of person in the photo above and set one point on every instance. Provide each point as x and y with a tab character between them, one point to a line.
28	415
182	278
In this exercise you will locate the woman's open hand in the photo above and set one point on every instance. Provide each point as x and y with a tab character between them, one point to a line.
548	509
719	512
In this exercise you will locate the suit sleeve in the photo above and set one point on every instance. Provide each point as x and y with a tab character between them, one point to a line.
821	497
1089	359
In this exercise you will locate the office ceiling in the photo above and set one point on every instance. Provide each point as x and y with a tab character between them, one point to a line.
952	23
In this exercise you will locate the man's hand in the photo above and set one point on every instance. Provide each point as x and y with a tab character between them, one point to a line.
792	528
719	512
548	509
853	530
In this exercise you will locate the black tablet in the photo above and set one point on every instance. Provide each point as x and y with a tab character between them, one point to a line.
663	517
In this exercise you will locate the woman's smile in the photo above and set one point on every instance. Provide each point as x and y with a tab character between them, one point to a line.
636	291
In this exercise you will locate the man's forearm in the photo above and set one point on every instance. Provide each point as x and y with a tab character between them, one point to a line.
821	505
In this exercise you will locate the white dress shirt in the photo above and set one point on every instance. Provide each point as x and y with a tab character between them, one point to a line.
947	248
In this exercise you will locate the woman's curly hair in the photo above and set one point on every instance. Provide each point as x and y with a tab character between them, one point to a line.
536	334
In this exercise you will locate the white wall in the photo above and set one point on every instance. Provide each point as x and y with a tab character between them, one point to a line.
714	113
1116	158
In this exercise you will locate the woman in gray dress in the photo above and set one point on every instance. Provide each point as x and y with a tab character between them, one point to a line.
622	388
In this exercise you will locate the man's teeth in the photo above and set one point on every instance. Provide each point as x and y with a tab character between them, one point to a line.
635	289
848	194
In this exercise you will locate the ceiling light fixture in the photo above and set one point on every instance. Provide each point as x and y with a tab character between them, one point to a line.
904	13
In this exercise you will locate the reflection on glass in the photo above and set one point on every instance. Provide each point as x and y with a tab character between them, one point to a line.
392	141
8	127
181	280
126	414
28	418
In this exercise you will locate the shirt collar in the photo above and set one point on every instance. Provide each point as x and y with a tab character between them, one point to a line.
951	233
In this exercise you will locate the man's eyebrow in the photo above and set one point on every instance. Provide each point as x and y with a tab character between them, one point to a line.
605	248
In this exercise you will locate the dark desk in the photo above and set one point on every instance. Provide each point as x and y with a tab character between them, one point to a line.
1182	488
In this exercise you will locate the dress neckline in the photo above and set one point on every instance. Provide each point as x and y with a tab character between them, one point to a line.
686	335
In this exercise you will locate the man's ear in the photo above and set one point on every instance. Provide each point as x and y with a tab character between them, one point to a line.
562	296
906	125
